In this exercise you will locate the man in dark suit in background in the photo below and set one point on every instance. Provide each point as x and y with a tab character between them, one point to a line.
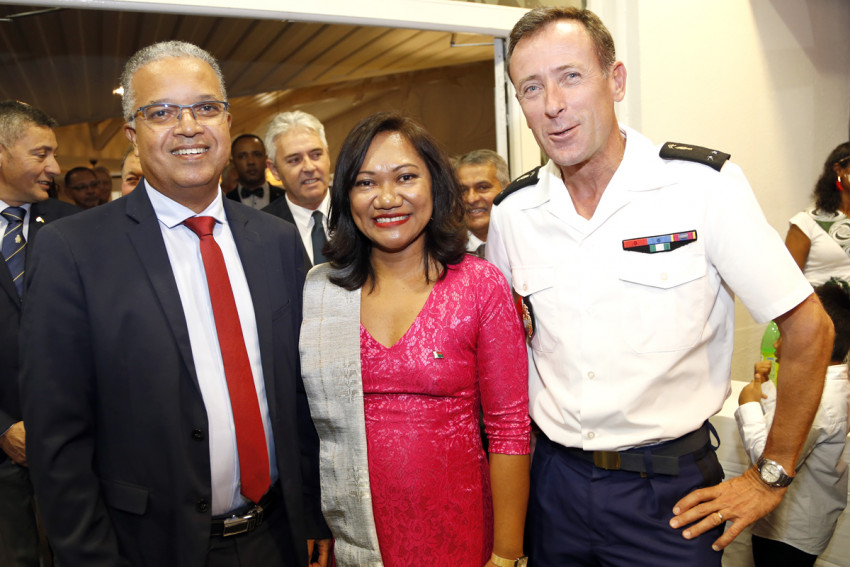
248	156
161	379
298	156
27	166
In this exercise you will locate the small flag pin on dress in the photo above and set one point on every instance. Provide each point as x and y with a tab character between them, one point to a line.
438	354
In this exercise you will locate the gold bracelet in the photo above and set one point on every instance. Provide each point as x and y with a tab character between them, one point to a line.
502	562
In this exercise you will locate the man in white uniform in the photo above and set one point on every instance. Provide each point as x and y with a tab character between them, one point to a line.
627	260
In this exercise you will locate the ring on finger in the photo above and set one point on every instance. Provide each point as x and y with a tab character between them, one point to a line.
719	515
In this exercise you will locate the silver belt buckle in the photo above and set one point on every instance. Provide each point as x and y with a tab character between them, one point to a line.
607	460
243	524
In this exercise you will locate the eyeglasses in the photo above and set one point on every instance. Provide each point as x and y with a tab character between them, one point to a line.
166	114
84	186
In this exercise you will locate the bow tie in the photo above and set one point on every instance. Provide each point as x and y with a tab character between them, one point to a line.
248	192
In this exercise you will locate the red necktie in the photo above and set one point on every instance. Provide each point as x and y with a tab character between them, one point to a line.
250	437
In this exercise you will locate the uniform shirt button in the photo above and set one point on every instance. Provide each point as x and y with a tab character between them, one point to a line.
203	505
663	276
591	375
591	435
524	286
197	435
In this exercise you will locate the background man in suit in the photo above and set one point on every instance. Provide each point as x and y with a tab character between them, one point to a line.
27	166
104	184
82	186
482	175
131	171
161	382
248	156
298	156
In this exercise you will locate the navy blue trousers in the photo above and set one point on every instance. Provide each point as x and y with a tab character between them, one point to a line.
582	515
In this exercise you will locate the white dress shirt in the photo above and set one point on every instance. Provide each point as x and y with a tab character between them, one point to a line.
253	201
4	223
187	265
303	218
472	242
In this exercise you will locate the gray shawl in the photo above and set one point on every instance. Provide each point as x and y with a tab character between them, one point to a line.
330	364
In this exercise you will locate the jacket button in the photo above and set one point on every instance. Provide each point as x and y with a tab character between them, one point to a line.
197	435
203	505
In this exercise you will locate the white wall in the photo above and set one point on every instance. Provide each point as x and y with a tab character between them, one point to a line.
765	80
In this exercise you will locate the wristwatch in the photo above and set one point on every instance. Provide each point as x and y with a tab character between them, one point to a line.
772	474
502	562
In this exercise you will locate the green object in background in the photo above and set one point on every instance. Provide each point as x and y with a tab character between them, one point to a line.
768	352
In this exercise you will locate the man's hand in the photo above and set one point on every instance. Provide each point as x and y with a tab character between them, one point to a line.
14	443
323	547
741	500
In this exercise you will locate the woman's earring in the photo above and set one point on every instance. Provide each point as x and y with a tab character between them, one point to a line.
838	184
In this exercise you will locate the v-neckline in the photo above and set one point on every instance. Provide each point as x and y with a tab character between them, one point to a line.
437	284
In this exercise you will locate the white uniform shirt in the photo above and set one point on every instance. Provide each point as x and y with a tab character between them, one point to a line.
826	258
184	254
807	515
635	348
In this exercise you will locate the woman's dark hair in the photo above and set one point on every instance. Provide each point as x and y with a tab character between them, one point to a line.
826	195
834	297
349	250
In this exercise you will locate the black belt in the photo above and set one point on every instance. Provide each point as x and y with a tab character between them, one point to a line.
246	520
662	458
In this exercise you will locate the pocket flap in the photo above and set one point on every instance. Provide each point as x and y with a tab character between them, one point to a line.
664	270
529	280
125	496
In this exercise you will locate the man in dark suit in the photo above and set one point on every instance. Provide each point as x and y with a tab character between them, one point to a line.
298	156
27	166
161	380
248	156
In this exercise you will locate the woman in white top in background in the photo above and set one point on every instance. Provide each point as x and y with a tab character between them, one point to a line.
819	236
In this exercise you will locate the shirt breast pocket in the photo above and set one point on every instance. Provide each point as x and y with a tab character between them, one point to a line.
536	284
663	299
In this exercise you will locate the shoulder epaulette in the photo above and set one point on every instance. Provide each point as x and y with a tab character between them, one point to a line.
706	156
524	180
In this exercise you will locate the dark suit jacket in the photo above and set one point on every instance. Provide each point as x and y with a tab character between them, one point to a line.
274	193
280	208
10	314
119	456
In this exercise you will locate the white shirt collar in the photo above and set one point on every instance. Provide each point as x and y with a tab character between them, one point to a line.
171	213
304	216
473	242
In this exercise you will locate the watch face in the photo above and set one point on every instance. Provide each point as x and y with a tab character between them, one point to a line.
770	472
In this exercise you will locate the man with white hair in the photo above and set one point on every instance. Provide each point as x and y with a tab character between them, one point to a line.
299	158
482	175
161	386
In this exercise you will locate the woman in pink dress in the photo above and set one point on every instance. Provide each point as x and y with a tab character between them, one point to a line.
405	339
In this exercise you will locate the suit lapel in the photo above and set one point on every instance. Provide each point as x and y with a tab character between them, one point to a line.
253	253
146	238
7	284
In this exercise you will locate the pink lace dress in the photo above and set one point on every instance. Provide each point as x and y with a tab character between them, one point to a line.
428	473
